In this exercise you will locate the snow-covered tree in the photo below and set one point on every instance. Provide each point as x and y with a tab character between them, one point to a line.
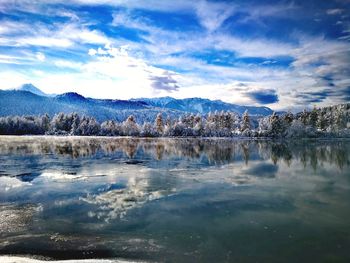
245	125
158	123
130	127
179	129
111	128
322	121
277	127
198	126
88	126
340	119
75	123
298	130
313	115
329	121
148	130
168	127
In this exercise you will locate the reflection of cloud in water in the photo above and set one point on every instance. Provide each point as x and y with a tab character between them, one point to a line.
57	176
11	183
134	165
218	187
116	203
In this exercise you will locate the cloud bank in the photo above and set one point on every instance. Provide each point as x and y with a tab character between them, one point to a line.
282	53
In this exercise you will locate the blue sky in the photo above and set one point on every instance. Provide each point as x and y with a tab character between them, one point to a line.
282	54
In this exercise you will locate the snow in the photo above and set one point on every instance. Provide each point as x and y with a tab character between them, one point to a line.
326	122
15	259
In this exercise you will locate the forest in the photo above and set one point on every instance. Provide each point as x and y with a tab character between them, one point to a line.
333	121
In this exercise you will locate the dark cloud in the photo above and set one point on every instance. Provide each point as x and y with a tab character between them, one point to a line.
319	96
315	97
263	96
241	85
164	82
345	94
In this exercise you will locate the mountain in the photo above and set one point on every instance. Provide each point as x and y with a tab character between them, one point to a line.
202	106
18	102
31	88
29	100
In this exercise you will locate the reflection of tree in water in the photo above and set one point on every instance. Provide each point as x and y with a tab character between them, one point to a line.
316	153
216	151
159	151
281	151
77	149
187	147
340	155
245	152
130	147
313	158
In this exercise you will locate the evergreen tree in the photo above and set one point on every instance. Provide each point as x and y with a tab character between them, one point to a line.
159	124
245	121
313	118
276	126
148	130
322	121
130	127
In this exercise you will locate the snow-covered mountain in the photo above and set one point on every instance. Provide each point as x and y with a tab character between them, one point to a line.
20	102
31	88
203	106
29	100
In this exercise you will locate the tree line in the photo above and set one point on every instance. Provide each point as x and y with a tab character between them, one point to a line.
328	121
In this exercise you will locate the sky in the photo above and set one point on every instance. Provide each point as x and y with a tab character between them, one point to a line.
281	54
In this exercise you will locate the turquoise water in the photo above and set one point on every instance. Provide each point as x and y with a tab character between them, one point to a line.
175	200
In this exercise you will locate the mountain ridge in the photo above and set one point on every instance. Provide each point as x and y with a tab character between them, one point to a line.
29	100
31	88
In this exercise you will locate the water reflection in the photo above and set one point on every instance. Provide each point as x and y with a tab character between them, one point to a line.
184	199
220	151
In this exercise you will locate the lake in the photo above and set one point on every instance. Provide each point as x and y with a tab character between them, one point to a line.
175	200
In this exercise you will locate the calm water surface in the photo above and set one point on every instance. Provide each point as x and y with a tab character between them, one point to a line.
175	200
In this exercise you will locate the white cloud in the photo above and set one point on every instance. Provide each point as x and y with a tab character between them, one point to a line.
336	11
43	42
40	56
212	15
60	35
68	64
11	79
21	58
127	71
110	73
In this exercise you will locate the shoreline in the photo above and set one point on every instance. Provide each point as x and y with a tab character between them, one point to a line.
23	259
233	138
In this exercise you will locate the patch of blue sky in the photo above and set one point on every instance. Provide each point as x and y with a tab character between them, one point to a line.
98	15
37	67
229	59
122	32
286	25
280	61
180	70
169	20
28	17
216	57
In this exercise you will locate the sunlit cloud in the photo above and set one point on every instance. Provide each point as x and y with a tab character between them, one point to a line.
120	49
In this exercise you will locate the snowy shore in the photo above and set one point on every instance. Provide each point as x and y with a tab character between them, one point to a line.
14	259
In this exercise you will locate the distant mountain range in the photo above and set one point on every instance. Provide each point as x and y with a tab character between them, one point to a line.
202	106
29	100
